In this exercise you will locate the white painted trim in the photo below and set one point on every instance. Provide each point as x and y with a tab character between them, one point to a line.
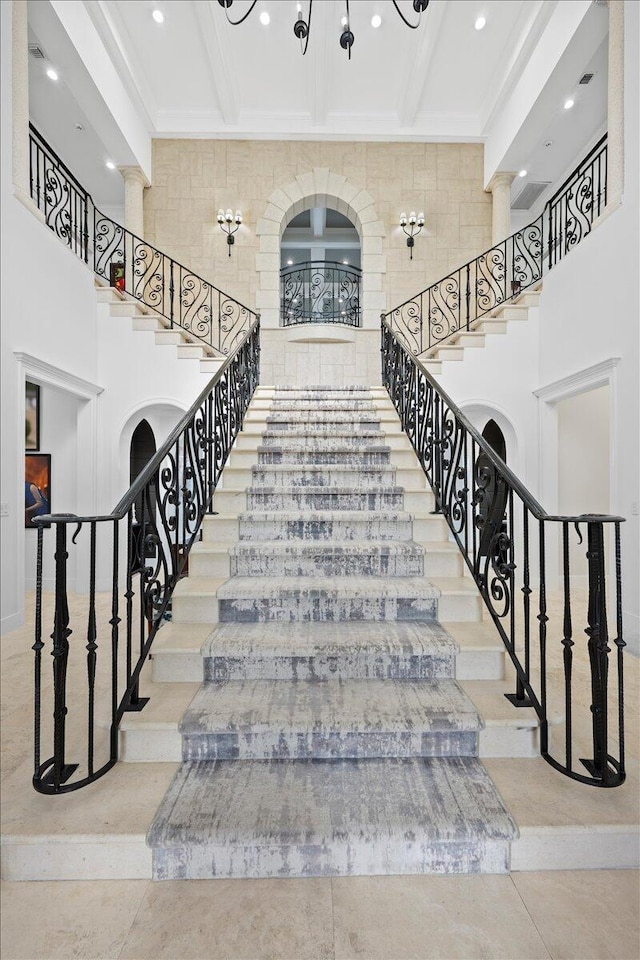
598	375
48	373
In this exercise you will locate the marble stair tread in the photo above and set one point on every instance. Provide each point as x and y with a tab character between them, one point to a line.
180	637
166	706
288	516
371	454
309	639
279	475
333	558
324	498
330	818
326	547
324	651
302	707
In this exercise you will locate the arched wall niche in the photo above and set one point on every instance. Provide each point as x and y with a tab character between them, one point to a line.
320	188
162	416
480	413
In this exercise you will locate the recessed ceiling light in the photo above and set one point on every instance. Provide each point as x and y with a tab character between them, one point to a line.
480	23
51	73
289	263
110	165
523	173
376	20
568	104
346	262
158	16
79	127
265	19
548	143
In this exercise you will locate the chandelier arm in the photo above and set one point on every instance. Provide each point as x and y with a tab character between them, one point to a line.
412	26
236	23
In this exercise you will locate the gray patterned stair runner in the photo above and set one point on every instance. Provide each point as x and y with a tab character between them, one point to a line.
329	737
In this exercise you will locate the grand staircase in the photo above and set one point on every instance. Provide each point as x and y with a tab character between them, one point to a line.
329	737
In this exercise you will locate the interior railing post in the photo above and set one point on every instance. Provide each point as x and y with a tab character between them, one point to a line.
620	645
114	623
37	648
598	645
61	770
567	643
172	291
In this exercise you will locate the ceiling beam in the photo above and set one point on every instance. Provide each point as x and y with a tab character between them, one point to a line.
420	67
212	23
318	220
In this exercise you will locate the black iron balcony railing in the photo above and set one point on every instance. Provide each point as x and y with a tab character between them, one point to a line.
319	291
562	656
137	554
130	263
454	303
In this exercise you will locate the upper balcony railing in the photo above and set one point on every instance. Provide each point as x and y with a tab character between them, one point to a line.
130	263
319	291
454	303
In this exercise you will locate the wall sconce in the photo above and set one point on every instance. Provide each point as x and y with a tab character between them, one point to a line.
413	223
225	220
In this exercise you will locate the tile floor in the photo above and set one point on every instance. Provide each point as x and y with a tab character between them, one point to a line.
561	914
526	915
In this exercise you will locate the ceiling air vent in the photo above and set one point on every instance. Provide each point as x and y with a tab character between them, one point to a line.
586	78
529	194
36	52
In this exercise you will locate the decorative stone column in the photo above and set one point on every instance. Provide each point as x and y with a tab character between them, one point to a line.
615	105
20	99
134	186
500	188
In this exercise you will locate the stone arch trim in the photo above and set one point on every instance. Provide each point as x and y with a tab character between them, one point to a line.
320	188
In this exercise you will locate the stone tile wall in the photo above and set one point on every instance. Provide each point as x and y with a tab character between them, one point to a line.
192	179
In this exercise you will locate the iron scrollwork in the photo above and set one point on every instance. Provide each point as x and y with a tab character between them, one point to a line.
320	292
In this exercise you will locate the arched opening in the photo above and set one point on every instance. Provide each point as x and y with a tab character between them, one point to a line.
320	269
495	438
142	450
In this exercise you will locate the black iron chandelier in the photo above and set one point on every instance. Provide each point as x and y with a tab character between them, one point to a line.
302	27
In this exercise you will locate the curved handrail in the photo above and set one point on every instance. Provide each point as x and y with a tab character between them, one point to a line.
320	291
158	281
507	540
452	304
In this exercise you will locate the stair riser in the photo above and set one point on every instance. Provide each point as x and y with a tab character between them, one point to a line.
356	456
302	406
364	857
305	745
328	442
321	530
327	565
320	668
365	500
322	420
325	609
356	480
198	609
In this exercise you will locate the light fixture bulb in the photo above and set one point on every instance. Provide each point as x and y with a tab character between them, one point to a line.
265	19
376	20
344	22
480	23
298	7
220	216
568	104
289	263
238	217
51	73
421	219
403	219
229	216
346	263
158	16
110	165
523	173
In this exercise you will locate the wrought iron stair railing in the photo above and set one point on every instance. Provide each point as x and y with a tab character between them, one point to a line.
561	655
453	304
319	291
115	254
137	554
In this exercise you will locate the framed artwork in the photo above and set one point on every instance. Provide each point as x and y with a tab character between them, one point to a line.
32	416
116	275
37	486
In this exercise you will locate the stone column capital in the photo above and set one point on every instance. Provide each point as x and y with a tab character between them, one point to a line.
134	174
500	179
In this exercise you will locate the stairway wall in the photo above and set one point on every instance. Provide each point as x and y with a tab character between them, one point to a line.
192	178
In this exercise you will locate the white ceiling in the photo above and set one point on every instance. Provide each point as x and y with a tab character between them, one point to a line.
195	75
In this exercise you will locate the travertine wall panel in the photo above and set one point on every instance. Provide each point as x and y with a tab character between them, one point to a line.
192	179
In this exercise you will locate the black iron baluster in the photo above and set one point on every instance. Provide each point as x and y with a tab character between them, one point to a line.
61	770
620	645
567	644
543	620
92	647
526	594
114	623
598	645
172	294
37	648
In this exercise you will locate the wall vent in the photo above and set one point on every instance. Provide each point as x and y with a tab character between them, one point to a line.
36	52
586	78
529	194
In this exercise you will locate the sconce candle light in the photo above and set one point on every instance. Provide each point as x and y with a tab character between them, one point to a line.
225	220
415	226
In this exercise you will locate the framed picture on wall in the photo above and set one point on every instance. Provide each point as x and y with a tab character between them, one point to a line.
37	486
32	416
